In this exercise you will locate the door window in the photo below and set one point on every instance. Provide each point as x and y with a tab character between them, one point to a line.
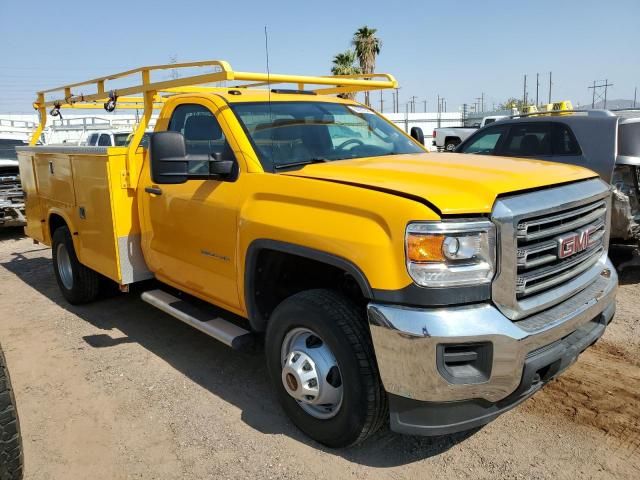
202	134
104	140
485	141
528	140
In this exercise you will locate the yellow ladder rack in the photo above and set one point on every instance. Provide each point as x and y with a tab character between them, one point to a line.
73	96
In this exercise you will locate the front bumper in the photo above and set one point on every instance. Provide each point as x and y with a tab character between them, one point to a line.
407	340
12	215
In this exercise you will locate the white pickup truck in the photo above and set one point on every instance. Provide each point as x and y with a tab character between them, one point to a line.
448	138
11	194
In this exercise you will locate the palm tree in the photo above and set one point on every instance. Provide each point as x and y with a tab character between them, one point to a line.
344	64
367	46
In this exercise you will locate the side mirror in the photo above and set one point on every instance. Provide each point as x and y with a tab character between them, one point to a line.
168	158
170	163
417	134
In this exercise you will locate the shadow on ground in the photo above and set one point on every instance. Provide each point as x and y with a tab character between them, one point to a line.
213	366
11	233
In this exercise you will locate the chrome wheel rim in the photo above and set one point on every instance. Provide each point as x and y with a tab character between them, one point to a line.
310	373
64	266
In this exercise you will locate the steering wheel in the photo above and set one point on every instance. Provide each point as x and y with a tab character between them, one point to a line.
346	143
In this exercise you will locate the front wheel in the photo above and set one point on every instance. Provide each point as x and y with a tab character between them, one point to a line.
79	284
11	457
321	362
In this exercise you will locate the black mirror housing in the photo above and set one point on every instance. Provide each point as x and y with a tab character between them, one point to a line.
168	158
417	134
170	163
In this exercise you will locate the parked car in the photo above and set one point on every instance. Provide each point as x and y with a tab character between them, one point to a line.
448	138
602	141
11	194
106	138
390	283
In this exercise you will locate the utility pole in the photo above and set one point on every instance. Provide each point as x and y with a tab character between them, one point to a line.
425	106
550	83
600	92
524	93
635	94
537	87
482	100
381	102
397	106
412	101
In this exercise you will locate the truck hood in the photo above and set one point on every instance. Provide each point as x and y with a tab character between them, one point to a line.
453	183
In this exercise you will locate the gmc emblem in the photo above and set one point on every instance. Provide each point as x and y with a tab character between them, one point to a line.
575	242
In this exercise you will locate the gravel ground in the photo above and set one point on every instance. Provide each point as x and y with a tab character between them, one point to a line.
117	389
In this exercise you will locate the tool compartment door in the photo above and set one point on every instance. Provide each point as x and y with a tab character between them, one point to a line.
32	210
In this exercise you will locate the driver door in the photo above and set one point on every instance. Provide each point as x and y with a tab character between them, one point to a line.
190	229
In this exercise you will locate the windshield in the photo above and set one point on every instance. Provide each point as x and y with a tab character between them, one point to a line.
291	134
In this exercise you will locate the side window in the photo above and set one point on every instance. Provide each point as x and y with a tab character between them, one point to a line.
202	134
528	140
104	140
485	141
563	142
92	140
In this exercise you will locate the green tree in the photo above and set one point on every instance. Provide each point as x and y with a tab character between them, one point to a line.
344	64
367	47
511	103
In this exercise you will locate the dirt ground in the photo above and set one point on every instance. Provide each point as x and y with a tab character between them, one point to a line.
117	389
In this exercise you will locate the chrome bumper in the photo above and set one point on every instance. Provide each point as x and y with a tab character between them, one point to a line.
406	339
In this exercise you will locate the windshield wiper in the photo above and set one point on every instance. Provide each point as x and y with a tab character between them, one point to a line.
305	162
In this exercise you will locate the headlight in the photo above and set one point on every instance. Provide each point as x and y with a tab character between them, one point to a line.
447	254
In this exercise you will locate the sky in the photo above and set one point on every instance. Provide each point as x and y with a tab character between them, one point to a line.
452	48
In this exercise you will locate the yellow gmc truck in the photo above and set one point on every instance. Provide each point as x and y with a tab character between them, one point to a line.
388	284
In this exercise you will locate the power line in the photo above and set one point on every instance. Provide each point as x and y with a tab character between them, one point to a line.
599	92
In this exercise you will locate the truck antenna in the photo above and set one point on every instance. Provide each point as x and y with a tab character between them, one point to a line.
266	49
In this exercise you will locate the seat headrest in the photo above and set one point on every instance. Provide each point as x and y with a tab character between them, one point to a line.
202	127
529	145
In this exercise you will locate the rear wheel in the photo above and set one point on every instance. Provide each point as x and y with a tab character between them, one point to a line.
321	362
451	145
79	284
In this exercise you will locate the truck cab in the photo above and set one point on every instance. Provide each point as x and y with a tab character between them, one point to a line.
106	138
388	283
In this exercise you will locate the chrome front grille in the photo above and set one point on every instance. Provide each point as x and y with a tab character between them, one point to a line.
552	244
540	239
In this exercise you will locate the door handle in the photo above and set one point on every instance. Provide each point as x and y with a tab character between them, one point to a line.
153	190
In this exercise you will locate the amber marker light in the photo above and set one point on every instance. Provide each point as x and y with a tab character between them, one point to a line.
425	248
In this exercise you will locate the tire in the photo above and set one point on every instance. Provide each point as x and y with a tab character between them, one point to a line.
11	458
338	324
79	284
451	145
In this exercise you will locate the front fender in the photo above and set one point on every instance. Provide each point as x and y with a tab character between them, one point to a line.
359	229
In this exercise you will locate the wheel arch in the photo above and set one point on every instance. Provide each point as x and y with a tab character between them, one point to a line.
320	258
56	219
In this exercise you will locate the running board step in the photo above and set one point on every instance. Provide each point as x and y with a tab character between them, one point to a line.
222	330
